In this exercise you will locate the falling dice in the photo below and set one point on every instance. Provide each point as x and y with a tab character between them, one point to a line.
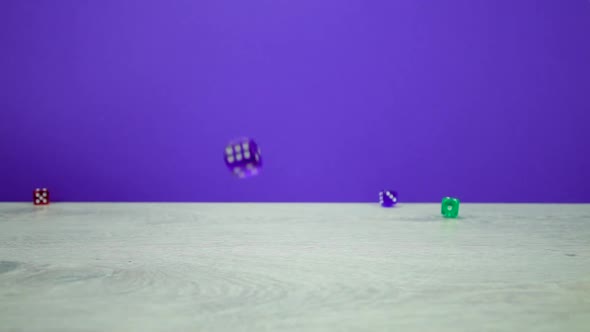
242	157
387	198
41	196
449	207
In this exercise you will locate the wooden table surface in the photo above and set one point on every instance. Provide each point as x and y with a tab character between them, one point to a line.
293	267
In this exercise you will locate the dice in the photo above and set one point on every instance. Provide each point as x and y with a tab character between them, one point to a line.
387	198
41	196
242	157
450	207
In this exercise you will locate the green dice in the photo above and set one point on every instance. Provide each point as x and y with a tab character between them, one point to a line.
450	207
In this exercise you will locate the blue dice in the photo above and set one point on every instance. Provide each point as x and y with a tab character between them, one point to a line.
387	198
242	157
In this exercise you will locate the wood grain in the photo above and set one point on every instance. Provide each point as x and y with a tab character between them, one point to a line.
293	267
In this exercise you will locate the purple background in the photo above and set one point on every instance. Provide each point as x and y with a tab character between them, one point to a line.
124	100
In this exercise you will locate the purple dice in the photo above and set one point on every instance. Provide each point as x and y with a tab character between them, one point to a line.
387	198
242	157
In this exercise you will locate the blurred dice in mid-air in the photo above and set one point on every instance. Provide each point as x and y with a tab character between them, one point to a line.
242	157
